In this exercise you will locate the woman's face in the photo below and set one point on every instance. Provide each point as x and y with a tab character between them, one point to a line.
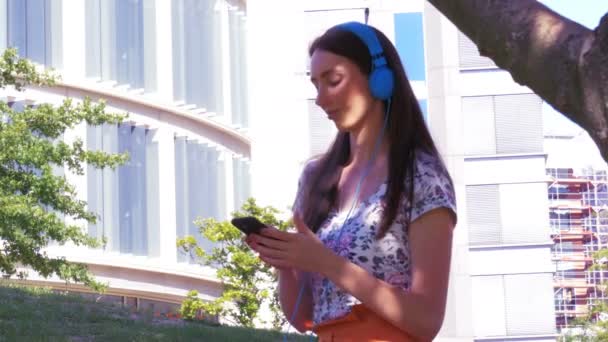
342	89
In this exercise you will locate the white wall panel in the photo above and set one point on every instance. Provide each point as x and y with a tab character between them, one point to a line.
524	212
495	170
510	260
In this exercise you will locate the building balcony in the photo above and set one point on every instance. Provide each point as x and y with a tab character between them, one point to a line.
569	235
574	283
577	311
571	256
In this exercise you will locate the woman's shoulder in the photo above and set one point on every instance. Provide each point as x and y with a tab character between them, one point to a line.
427	159
303	182
433	185
429	165
310	166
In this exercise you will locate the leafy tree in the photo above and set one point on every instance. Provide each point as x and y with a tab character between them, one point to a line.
33	199
594	325
248	282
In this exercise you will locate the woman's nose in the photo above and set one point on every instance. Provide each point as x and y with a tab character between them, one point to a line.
321	99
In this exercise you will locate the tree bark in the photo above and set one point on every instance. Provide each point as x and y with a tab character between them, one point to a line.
563	62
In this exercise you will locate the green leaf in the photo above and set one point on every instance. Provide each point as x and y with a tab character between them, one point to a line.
34	200
240	270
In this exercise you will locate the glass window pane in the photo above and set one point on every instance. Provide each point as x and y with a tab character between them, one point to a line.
519	126
3	27
93	38
488	305
409	41
479	125
115	41
126	190
129	42
36	23
484	214
197	33
529	304
17	26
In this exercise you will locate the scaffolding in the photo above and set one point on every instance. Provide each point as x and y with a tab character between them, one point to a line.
578	215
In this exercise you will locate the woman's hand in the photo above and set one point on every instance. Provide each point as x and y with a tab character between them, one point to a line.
251	239
301	250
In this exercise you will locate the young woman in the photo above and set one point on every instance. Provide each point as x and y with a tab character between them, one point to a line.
374	214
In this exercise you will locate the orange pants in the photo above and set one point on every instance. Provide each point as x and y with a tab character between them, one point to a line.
360	325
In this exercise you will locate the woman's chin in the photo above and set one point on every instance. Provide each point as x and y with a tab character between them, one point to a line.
340	127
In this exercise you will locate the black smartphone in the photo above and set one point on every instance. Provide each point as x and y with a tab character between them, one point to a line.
248	224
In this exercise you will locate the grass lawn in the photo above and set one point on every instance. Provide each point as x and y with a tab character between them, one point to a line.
36	314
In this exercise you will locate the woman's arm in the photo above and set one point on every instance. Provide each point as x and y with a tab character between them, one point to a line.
290	282
419	311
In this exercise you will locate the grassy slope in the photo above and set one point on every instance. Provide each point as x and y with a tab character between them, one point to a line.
34	314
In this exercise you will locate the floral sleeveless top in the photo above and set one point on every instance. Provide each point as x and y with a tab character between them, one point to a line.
387	259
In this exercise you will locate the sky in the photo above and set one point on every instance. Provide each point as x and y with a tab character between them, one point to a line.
585	12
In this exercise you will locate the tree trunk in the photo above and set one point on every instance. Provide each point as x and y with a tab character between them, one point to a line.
563	62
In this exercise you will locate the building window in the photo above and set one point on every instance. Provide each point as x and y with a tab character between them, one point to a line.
484	215
560	173
200	188
596	195
469	56
497	214
559	191
564	300
514	304
115	42
210	58
239	90
502	124
125	199
33	27
409	41
561	220
197	54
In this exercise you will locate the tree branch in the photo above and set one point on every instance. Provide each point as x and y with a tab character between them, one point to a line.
563	62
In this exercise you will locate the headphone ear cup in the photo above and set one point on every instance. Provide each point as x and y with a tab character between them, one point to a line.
382	83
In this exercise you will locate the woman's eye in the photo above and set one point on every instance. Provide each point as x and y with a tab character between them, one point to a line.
335	82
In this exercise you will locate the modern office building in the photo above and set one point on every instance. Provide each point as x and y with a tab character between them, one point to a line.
488	129
219	90
179	69
578	199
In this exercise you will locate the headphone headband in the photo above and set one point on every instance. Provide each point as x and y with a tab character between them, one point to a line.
381	78
367	35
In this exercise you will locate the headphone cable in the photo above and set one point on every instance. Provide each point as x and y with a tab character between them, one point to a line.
355	202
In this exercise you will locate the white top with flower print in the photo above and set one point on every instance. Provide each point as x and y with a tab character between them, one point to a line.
388	258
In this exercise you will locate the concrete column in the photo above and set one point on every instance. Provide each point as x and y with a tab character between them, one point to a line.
166	189
73	42
445	121
158	47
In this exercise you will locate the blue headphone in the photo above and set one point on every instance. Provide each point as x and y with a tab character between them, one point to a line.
381	78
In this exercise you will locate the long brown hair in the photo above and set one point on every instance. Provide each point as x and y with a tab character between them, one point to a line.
406	131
